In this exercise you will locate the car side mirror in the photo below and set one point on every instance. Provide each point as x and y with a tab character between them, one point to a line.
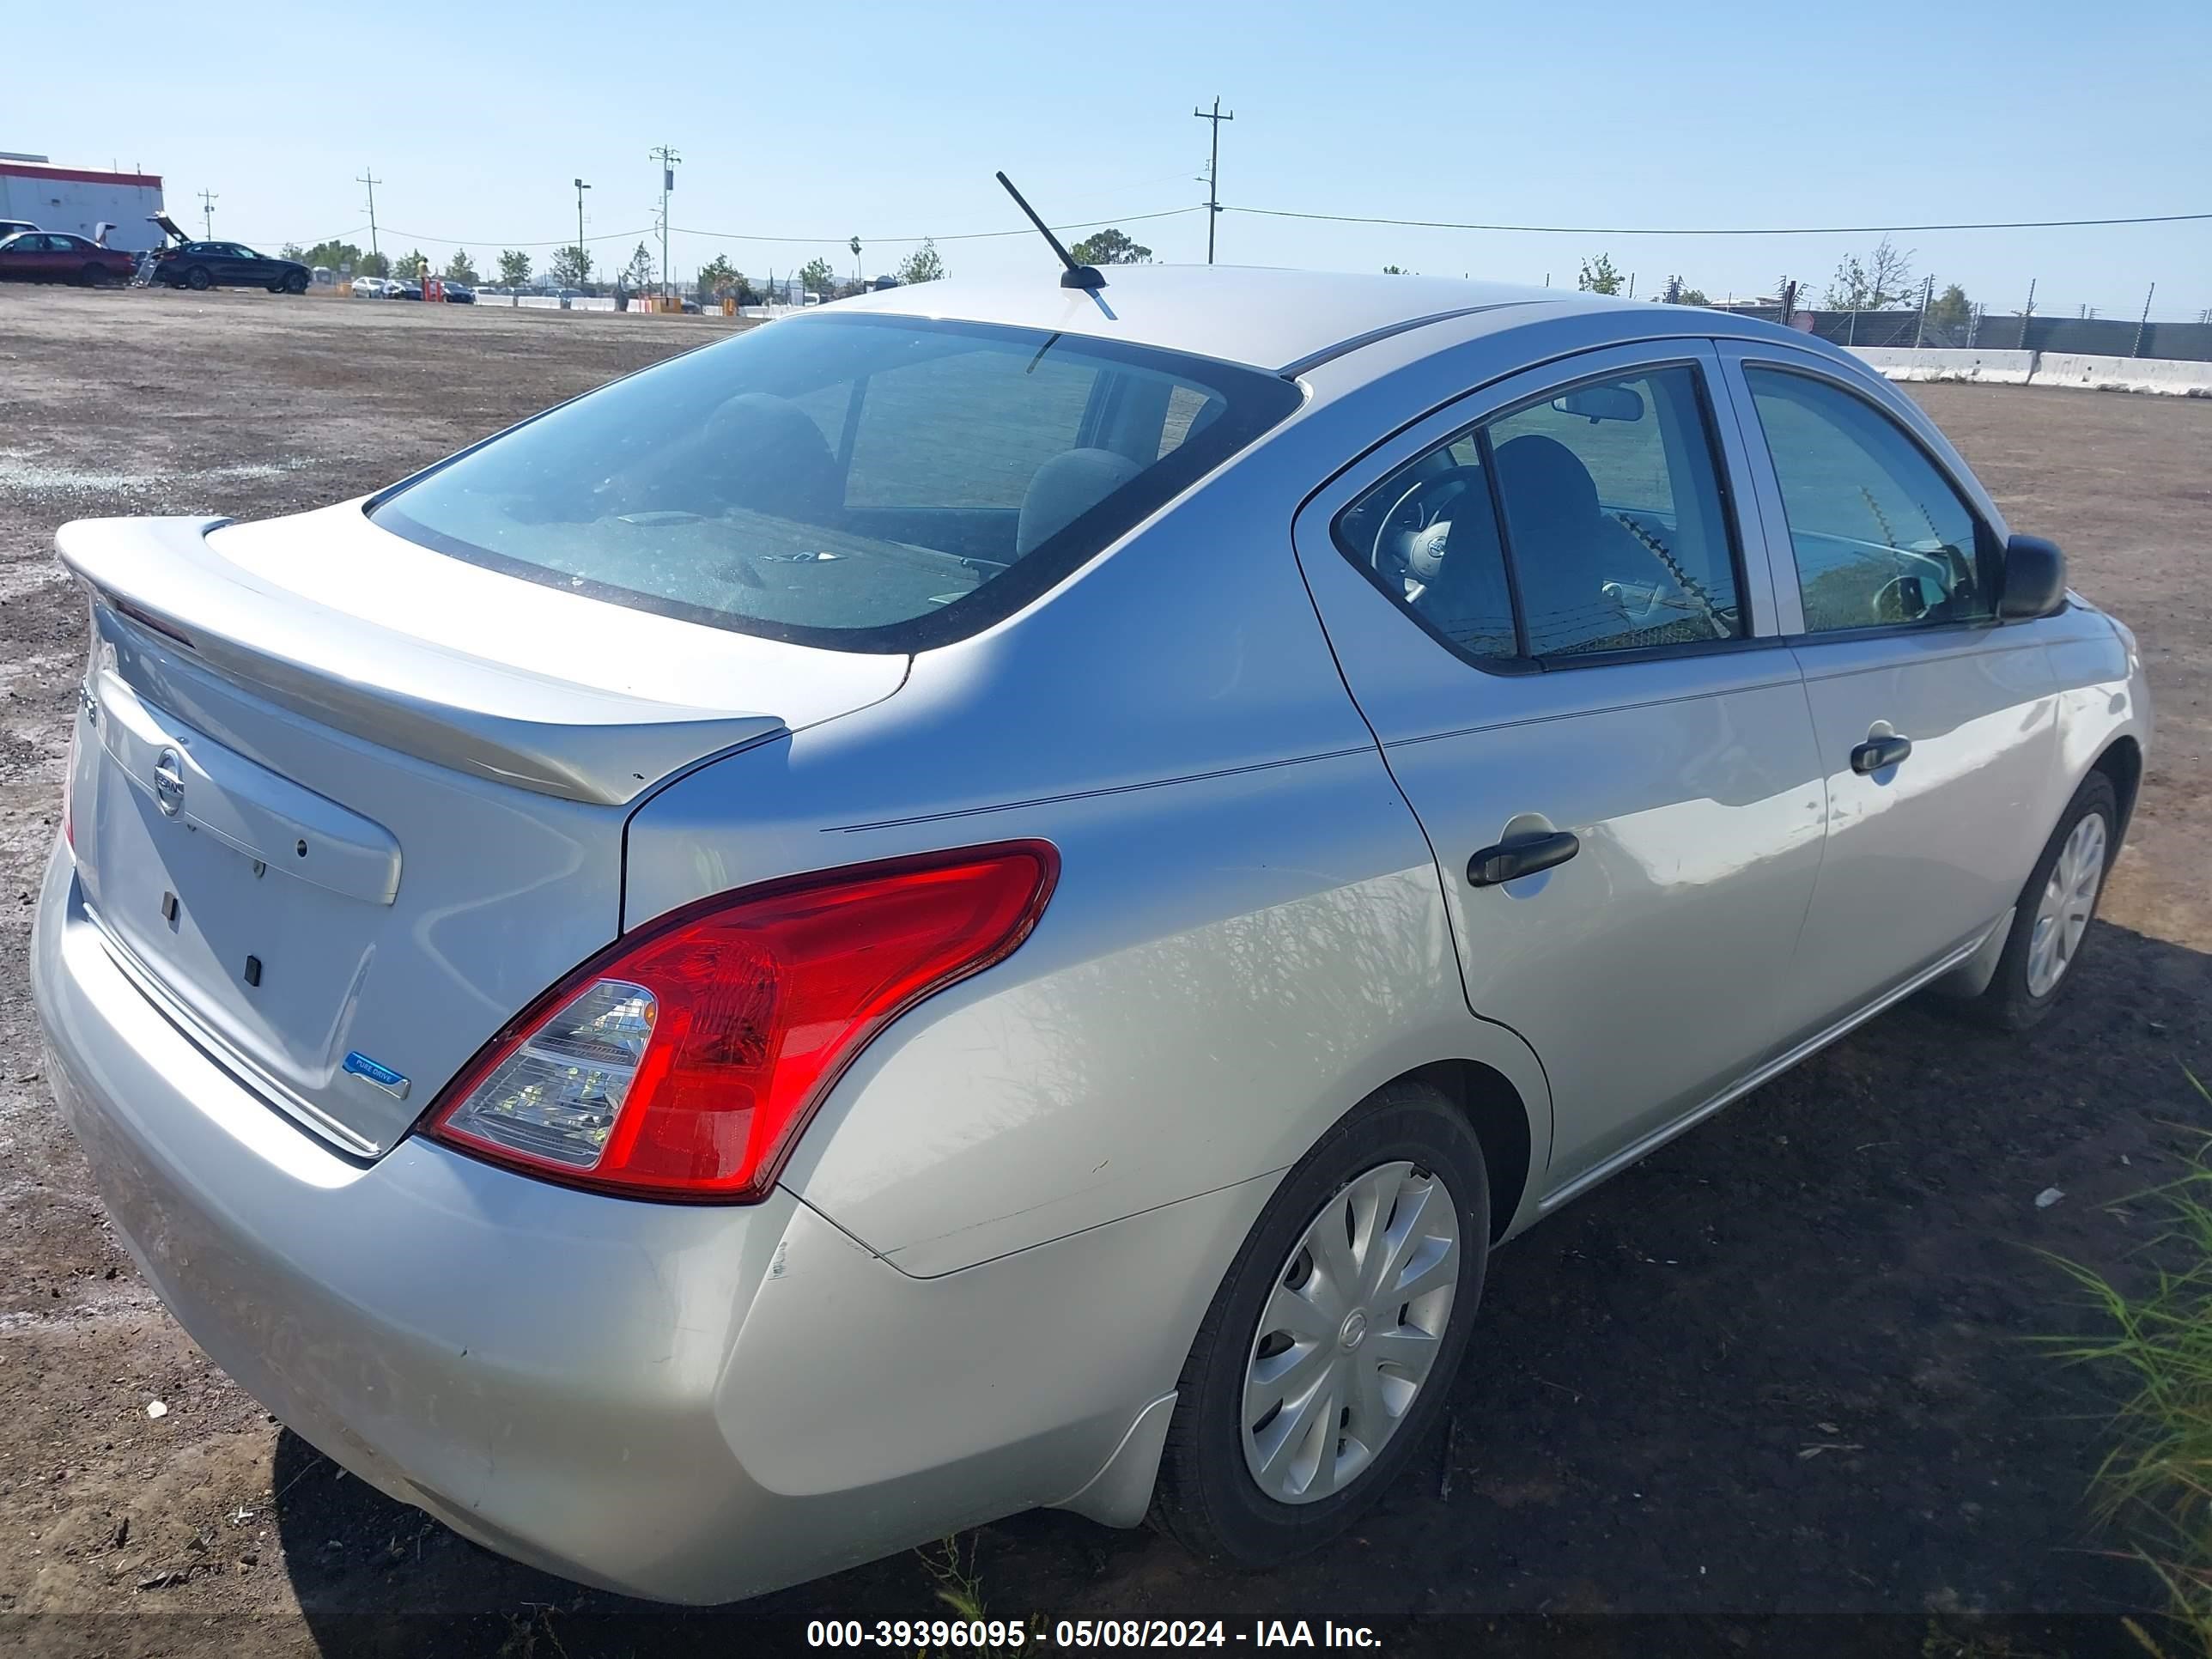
2034	579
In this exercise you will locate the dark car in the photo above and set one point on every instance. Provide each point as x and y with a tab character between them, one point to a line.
406	288
228	265
55	256
457	293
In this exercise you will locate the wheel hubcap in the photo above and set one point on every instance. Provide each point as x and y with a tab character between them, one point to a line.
1351	1332
2069	898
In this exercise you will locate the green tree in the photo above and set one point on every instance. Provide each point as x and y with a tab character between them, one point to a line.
460	268
292	251
1880	281
371	265
1680	293
1598	275
1951	309
1110	247
818	279
638	273
717	277
924	264
571	267
338	256
411	266
1398	271
514	267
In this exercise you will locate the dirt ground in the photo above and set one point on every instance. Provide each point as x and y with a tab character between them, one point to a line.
1780	1375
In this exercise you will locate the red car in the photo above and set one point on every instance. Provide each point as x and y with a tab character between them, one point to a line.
54	256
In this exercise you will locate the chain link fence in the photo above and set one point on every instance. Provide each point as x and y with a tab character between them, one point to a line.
2087	329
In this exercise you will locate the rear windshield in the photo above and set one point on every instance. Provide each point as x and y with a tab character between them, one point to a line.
871	483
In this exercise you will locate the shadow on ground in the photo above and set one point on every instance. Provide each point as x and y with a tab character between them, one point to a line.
1784	1367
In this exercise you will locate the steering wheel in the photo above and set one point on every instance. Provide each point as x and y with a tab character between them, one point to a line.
1404	546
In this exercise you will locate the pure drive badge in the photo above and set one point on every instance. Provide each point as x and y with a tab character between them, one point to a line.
360	1065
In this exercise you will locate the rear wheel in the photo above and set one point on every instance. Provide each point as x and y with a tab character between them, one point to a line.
94	276
2050	923
295	283
1329	1351
197	278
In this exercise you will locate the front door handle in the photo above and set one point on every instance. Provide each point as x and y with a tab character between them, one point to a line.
1877	752
1523	855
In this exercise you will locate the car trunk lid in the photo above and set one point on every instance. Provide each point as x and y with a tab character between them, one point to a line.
343	806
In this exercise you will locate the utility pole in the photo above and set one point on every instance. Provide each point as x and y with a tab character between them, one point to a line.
668	158
580	188
372	183
856	262
208	199
1213	173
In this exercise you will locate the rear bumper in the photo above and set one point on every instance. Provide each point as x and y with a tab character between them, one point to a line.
688	1403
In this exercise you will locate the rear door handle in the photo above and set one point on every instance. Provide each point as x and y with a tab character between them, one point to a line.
1877	752
1523	855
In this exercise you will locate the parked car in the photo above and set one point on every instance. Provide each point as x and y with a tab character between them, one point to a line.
370	287
15	226
53	256
745	1000
405	287
228	264
458	294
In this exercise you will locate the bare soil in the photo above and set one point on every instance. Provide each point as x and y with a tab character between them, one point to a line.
1784	1371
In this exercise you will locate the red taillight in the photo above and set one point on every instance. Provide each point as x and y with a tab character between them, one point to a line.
683	1061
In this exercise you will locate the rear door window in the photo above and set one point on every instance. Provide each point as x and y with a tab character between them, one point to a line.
1591	521
863	481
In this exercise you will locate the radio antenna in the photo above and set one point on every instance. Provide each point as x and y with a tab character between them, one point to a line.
1076	276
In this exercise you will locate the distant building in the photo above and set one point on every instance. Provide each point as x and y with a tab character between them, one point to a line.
82	200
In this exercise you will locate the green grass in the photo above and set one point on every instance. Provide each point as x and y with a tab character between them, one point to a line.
2155	1484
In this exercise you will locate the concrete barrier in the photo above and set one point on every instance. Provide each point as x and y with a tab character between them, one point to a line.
1947	363
2169	376
2161	374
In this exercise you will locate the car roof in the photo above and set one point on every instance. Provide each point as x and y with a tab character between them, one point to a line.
1279	320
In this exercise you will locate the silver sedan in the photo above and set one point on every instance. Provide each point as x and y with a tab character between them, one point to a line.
995	896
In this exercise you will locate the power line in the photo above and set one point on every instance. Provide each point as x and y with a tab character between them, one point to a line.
957	236
486	241
1732	230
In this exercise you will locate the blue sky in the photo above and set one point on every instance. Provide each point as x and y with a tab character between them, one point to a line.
833	120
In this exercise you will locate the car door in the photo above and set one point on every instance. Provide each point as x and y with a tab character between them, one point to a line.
48	256
1543	602
1937	724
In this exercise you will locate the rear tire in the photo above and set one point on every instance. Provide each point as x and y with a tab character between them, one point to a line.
94	276
2050	922
295	283
198	280
1332	1445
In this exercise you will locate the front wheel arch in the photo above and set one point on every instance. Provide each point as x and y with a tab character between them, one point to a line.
1495	1111
2122	762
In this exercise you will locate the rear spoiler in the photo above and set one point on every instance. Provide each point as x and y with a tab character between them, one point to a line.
492	719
